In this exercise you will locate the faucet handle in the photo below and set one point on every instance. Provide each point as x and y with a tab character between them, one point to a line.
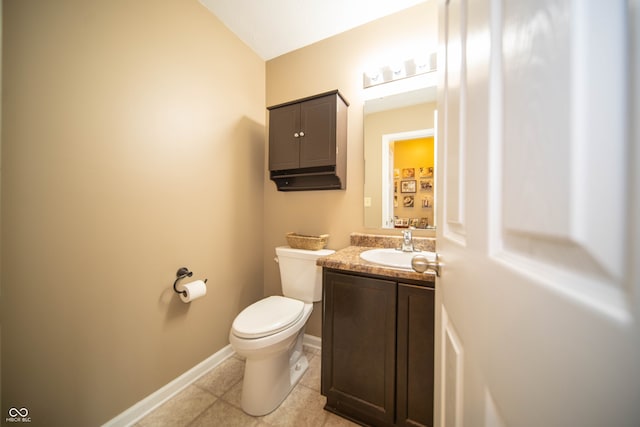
407	241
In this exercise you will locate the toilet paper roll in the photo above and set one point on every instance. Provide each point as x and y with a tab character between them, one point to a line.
194	290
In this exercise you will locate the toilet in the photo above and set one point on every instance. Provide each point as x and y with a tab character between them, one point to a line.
269	332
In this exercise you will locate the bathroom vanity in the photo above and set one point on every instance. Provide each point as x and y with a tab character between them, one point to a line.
377	341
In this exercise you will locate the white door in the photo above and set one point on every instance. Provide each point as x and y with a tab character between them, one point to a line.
539	213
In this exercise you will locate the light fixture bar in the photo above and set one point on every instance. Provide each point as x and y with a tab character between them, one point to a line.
400	70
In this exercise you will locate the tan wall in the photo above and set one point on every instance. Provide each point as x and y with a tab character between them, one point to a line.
336	63
133	144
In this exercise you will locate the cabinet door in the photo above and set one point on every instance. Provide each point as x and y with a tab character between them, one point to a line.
284	148
358	347
318	122
415	356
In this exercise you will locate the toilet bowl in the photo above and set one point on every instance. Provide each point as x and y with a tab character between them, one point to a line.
269	332
274	363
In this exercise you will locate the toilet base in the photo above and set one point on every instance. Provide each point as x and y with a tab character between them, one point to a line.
268	381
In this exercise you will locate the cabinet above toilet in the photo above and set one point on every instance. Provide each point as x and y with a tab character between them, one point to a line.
308	143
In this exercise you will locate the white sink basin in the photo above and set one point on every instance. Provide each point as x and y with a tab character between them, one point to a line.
390	257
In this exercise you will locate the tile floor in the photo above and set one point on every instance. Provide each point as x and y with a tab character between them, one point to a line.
214	400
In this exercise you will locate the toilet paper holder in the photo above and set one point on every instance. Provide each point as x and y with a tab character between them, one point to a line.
181	274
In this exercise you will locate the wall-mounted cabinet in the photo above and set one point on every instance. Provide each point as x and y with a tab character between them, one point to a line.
308	143
377	349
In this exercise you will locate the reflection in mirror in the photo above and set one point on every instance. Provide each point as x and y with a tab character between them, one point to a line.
399	152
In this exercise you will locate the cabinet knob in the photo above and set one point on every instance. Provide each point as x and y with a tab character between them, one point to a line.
301	133
296	135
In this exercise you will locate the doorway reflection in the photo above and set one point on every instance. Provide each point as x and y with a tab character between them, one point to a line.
413	175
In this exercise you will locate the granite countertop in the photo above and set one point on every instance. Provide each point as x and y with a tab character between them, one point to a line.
348	259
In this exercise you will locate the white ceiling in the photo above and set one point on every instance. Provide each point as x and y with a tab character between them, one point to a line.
274	27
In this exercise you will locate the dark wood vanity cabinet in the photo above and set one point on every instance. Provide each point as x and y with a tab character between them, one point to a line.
307	143
377	349
359	347
415	364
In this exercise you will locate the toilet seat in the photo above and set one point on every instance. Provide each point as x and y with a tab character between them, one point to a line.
267	317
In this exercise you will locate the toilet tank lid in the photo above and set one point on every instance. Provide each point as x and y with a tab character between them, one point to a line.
302	253
267	316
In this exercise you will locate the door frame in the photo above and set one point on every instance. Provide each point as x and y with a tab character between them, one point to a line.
387	166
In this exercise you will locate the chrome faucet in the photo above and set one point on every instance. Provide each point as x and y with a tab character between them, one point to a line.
407	241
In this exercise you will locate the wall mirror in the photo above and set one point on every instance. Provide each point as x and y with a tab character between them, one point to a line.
399	153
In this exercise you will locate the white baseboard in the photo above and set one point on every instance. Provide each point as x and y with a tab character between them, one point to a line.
157	398
312	341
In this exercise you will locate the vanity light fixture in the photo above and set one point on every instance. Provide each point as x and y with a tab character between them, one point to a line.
373	76
400	70
425	63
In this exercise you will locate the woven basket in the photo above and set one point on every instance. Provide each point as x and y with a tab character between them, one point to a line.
312	243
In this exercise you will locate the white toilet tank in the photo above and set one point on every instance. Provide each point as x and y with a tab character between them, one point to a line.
300	276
